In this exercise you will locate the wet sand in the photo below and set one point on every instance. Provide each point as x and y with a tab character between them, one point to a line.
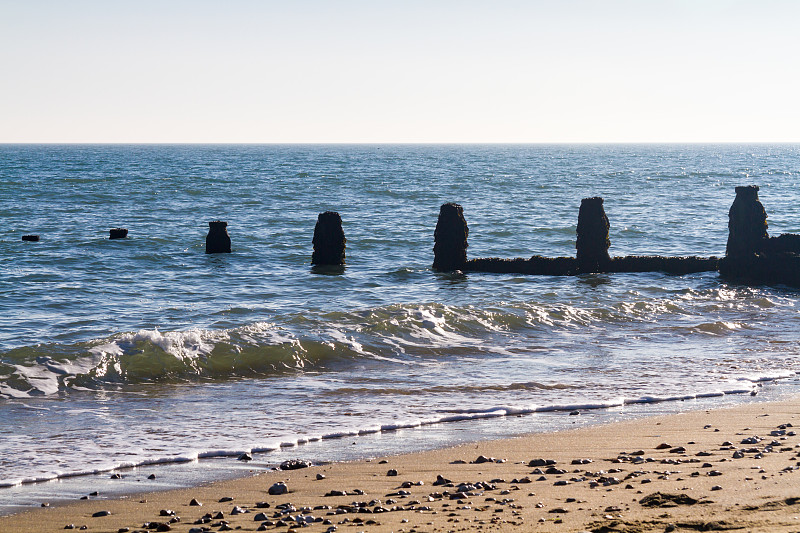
727	469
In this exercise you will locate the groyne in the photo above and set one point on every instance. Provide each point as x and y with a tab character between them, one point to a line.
752	256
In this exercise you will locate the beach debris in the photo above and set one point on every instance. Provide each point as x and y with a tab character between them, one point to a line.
294	464
450	239
329	241
218	241
663	499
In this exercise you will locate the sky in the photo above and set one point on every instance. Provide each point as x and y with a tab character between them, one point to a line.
296	71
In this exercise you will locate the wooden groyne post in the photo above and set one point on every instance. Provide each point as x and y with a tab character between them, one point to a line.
592	236
747	224
218	241
117	233
450	239
329	241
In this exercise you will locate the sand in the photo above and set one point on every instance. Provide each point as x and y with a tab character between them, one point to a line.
669	473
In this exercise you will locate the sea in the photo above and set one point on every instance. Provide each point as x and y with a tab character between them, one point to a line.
144	363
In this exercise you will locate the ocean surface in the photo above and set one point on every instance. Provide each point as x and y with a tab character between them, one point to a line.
147	351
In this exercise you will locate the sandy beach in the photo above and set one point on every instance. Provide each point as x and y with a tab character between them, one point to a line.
727	469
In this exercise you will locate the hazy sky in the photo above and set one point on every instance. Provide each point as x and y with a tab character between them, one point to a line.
372	71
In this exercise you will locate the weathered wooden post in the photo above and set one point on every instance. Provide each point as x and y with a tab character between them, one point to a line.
747	223
450	239
218	241
592	236
329	241
117	233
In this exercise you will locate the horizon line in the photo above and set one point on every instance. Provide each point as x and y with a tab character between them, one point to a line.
385	143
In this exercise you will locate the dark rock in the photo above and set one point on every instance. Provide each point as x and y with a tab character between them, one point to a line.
391	472
195	503
117	233
218	241
541	462
151	476
278	488
225	499
440	480
592	236
166	512
244	457
329	241
450	239
294	464
30	238
98	514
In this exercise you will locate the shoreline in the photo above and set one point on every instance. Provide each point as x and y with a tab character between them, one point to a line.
755	491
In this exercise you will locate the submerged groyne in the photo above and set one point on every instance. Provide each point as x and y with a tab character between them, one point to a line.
751	254
591	245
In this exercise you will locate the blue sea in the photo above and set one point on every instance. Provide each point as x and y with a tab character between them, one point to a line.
146	355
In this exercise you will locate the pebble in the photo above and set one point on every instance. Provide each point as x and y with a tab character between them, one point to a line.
278	488
541	462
